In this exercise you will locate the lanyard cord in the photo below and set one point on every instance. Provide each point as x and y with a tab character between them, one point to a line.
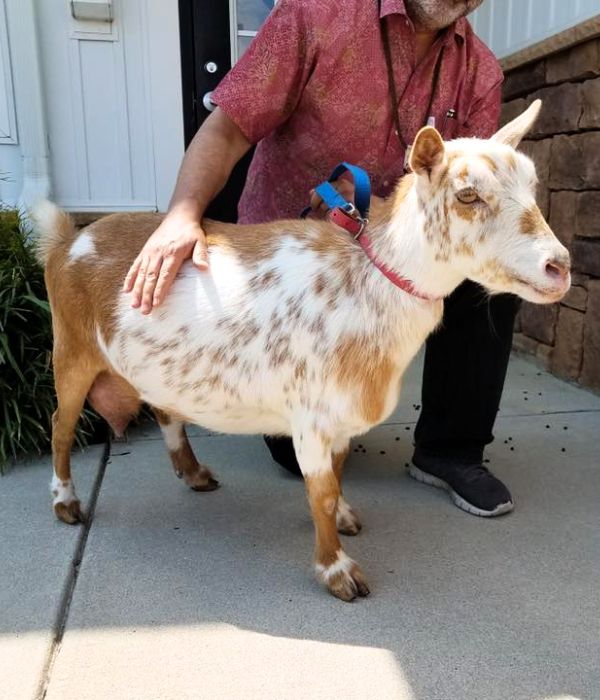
392	81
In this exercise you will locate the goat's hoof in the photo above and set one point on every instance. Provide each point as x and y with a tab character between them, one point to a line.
69	513
349	529
344	578
346	585
203	481
347	521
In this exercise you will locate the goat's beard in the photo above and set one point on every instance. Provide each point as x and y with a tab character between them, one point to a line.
433	15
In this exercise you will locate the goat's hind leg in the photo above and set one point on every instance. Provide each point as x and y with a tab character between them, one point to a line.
186	466
73	377
342	576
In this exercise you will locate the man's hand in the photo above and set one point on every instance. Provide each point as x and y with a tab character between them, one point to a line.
153	271
343	185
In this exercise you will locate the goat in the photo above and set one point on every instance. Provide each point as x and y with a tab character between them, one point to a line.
293	330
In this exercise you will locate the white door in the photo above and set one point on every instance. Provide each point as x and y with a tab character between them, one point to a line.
114	105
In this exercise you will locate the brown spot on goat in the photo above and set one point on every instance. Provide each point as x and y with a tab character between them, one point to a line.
464	248
490	162
532	222
466	211
510	160
363	367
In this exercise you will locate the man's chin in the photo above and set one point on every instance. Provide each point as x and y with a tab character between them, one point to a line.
435	15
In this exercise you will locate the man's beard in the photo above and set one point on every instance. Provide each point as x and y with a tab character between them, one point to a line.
433	15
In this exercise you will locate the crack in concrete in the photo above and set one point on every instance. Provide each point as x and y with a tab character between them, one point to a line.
71	580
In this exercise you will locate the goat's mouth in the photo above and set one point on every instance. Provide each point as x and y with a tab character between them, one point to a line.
541	294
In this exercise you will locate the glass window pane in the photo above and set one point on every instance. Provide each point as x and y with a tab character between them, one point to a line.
243	44
252	13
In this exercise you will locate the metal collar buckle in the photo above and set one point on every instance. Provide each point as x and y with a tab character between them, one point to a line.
363	225
353	212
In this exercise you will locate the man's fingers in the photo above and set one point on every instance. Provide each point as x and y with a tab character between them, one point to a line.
167	274
151	278
346	189
138	287
315	200
131	275
200	256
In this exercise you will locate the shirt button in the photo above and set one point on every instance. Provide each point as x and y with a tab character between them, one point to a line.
386	183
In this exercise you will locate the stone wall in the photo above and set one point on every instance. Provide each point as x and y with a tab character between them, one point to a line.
565	146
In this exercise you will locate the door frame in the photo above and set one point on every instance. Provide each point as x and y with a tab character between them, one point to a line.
205	35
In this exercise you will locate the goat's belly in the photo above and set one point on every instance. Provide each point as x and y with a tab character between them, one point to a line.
238	419
218	411
217	400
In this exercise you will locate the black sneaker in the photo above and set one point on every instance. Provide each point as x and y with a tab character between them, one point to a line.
470	484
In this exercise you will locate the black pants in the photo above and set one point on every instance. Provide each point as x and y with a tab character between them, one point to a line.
463	378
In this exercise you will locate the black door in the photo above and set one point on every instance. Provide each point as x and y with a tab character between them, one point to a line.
207	52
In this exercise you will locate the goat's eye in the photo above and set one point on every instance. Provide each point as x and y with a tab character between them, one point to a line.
468	196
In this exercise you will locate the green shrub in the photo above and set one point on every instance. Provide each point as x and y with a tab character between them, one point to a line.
26	384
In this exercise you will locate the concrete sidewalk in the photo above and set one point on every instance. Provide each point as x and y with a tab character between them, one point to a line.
189	595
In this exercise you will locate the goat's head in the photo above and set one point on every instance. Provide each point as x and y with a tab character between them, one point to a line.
480	213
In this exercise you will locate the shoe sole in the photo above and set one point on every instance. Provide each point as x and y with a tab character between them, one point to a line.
458	500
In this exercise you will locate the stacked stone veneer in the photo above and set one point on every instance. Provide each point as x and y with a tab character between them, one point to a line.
565	146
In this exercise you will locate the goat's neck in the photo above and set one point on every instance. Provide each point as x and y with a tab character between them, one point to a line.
400	241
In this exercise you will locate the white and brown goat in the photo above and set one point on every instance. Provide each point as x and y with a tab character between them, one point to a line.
293	330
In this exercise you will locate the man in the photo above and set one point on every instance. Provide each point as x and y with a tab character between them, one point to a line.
325	82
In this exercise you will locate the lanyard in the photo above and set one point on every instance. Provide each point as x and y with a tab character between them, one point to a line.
392	82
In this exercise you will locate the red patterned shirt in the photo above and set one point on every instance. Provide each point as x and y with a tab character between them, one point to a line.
312	91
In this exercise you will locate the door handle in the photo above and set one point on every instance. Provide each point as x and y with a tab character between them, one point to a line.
208	103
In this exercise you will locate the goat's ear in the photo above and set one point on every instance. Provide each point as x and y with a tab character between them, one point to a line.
427	153
514	131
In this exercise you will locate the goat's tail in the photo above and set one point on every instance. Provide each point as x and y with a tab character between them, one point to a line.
54	228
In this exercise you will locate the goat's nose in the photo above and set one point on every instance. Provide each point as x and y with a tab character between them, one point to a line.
558	268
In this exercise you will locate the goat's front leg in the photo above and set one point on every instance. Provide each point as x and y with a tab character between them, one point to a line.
339	573
347	521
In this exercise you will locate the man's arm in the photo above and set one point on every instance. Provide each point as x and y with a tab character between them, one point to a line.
482	121
216	148
255	97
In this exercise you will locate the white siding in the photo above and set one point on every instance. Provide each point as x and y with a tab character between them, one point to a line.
98	107
507	26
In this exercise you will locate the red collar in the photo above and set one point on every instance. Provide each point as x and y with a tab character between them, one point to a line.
356	226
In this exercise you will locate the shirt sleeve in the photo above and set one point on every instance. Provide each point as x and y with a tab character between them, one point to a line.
262	90
482	121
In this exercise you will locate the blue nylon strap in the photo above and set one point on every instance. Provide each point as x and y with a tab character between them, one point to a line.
333	199
362	185
330	196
